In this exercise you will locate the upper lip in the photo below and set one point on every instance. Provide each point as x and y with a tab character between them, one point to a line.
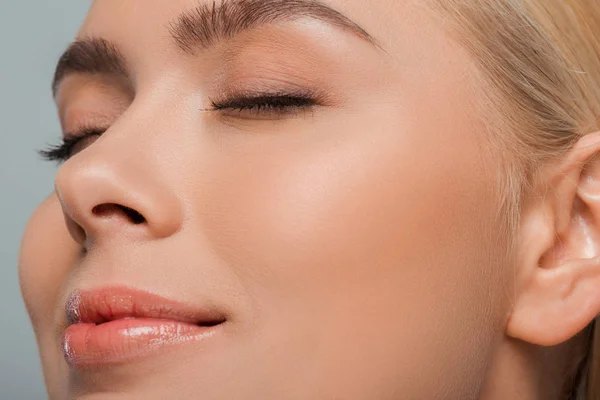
102	305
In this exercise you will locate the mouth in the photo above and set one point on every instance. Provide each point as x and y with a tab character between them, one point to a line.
118	325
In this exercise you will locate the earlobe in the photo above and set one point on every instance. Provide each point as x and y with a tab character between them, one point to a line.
558	303
558	267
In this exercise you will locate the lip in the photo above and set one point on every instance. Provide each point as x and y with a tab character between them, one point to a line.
117	325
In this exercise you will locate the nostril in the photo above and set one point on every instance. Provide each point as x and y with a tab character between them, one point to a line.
107	209
135	216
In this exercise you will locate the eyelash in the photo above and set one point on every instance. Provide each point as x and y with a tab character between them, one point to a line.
277	104
64	150
270	105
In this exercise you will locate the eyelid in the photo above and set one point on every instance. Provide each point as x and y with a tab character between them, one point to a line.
254	91
65	150
274	87
267	106
269	103
280	98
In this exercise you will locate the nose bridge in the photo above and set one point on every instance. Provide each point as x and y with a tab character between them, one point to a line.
113	188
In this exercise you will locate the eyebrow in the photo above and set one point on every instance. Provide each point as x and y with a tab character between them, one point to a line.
92	56
200	28
208	23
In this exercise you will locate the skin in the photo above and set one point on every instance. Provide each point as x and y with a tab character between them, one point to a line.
355	247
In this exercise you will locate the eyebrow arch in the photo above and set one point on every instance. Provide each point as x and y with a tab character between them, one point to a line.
206	24
92	56
200	28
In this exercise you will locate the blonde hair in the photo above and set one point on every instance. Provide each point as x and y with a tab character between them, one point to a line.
541	61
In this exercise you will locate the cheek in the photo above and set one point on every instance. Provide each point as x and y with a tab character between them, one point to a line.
373	239
47	252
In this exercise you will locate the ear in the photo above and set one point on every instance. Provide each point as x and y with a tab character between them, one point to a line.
557	274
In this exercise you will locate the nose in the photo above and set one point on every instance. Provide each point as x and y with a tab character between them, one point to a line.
104	197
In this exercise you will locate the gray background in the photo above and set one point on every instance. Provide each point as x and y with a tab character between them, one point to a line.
33	33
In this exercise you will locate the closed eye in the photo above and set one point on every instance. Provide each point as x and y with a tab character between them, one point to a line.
265	105
71	144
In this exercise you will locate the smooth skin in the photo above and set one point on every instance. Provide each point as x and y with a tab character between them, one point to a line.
355	246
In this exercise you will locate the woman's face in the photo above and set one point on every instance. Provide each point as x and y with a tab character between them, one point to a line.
317	198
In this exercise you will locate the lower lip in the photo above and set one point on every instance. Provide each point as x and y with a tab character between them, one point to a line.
125	340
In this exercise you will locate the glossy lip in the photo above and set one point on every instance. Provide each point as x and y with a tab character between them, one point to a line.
117	325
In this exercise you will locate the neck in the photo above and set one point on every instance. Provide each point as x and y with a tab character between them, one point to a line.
523	371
